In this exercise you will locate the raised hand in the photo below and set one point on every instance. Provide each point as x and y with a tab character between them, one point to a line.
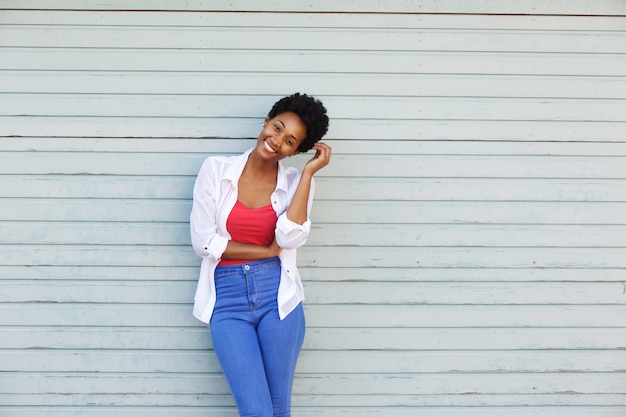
319	160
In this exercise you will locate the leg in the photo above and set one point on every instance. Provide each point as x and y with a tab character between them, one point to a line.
237	347
281	341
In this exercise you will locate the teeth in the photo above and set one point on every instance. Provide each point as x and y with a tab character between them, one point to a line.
268	147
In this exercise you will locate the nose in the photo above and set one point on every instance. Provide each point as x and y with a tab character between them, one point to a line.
279	138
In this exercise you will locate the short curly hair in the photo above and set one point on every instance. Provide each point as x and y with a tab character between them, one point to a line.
312	113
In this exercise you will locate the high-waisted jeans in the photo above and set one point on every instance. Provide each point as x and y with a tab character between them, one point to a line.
258	351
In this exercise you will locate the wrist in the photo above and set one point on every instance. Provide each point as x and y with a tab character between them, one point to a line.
307	174
273	249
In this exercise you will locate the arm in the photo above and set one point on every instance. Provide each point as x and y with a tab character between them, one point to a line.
237	250
298	209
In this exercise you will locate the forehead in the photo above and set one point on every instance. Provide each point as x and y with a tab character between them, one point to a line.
290	117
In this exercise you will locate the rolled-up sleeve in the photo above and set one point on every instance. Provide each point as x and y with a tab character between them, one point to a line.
291	235
205	239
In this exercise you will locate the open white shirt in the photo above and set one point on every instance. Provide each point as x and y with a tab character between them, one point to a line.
214	196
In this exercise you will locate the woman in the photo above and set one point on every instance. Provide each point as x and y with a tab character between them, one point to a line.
249	215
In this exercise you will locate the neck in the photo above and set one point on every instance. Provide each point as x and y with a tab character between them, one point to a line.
261	167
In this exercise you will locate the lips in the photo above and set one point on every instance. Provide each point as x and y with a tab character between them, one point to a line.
268	147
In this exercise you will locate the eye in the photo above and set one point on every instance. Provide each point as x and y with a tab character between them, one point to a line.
277	128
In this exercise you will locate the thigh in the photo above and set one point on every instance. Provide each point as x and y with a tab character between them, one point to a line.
280	343
237	348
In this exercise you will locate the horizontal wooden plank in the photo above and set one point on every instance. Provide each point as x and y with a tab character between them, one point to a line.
383	257
100	186
316	400
347	274
401	212
418	235
77	210
318	362
397	108
538	293
312	62
441	257
381	234
602	7
464	316
94	315
204	147
328	188
138	411
464	189
382	293
315	384
468	212
311	39
317	273
156	338
310	20
327	315
390	166
462	339
87	163
105	272
264	84
353	411
122	400
357	131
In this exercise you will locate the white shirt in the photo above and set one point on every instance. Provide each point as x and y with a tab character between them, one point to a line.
214	196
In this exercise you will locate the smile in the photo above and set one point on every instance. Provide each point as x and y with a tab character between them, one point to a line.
268	147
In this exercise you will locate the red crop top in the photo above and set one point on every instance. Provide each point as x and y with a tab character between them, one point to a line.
247	225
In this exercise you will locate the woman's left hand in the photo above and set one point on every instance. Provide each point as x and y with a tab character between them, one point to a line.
319	160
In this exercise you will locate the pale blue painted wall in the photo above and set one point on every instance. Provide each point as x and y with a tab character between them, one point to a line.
468	253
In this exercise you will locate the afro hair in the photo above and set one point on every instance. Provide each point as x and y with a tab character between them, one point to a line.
312	113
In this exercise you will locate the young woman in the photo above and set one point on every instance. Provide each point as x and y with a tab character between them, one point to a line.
250	213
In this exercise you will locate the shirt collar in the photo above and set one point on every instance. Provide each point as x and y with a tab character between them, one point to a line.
234	171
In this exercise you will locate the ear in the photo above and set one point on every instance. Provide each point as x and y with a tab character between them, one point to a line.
267	119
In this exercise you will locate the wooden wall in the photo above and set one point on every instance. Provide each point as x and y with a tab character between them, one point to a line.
468	256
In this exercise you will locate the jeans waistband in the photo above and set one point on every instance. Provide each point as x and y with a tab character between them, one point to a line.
250	266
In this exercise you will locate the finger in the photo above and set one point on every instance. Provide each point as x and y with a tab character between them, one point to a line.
325	152
322	147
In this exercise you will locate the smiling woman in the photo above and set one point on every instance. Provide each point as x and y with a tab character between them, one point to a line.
250	213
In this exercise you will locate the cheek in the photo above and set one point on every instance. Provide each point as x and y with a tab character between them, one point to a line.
265	132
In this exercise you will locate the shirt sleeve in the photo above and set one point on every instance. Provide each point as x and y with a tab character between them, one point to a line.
205	239
291	235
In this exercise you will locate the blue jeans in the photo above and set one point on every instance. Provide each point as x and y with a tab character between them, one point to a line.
258	351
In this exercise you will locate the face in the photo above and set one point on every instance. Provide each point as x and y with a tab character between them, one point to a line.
281	136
